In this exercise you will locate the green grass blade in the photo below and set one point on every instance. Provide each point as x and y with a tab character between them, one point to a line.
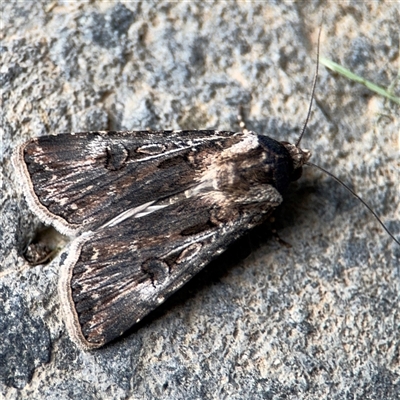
348	74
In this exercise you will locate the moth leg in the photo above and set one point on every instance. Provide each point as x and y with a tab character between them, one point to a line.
276	236
280	240
241	121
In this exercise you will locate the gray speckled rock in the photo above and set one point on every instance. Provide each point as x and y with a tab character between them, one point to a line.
317	320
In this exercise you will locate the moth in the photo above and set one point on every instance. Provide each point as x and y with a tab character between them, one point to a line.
147	211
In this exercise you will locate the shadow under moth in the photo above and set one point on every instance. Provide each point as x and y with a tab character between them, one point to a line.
147	211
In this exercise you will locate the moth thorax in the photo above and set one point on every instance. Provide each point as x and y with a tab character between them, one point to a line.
298	155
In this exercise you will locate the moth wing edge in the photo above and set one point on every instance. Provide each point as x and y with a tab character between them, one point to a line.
22	174
69	313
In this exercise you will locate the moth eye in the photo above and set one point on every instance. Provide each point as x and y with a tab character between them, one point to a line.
297	174
117	154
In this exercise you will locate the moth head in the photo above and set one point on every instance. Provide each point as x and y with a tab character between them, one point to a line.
299	157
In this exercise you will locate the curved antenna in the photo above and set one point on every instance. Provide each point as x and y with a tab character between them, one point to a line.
312	93
357	196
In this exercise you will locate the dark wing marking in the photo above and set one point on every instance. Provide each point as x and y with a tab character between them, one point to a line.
113	277
77	182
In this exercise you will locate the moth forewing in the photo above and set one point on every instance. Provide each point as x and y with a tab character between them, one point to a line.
177	200
77	182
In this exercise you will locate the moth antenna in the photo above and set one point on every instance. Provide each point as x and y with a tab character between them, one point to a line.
312	93
357	196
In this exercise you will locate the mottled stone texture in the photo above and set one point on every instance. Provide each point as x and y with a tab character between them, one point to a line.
319	319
